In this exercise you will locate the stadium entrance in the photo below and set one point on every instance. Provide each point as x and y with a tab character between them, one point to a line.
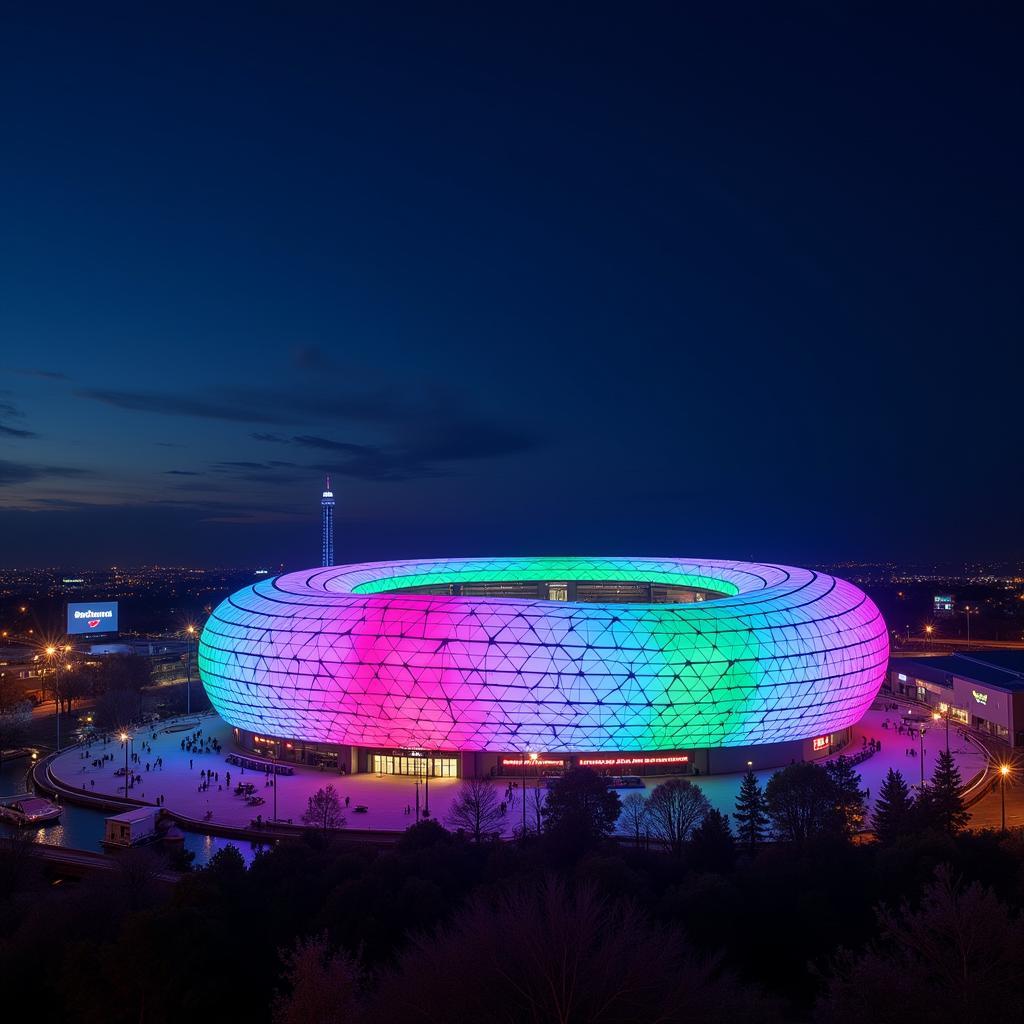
406	763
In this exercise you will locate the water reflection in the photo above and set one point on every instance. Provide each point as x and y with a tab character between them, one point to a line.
81	828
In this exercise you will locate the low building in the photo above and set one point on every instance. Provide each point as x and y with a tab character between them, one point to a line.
980	689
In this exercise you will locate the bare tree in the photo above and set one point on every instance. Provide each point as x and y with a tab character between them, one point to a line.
635	815
600	960
324	810
476	809
15	714
536	803
322	984
676	808
955	954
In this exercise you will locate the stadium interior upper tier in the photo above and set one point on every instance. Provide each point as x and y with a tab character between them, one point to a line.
546	654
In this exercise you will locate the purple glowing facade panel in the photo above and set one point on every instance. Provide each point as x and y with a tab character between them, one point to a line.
335	656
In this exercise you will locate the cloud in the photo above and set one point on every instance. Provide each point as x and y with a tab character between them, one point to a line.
44	374
181	405
14	432
181	472
422	438
312	441
12	473
246	406
10	411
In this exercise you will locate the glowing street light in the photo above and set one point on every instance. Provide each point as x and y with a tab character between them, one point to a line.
1004	773
51	651
936	716
124	737
190	632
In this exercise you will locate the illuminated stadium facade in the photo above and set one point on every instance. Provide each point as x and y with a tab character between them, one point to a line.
499	666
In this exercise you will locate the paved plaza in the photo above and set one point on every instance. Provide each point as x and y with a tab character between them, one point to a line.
390	800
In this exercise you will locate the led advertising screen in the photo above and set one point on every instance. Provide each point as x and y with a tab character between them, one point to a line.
92	617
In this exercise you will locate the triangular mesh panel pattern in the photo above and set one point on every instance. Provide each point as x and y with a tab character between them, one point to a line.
333	655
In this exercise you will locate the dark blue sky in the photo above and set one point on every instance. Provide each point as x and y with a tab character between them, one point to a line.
740	283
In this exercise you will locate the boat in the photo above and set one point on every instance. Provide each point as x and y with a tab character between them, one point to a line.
28	810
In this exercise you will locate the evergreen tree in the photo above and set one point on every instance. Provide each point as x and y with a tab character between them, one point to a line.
941	805
851	806
751	812
712	847
894	809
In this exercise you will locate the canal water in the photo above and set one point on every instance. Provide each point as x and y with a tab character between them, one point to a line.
81	828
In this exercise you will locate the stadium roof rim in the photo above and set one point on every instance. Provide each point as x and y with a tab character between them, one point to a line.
727	579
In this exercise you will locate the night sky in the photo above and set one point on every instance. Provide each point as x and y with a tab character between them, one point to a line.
732	283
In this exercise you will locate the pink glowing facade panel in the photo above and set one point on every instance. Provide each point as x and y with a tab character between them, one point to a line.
334	655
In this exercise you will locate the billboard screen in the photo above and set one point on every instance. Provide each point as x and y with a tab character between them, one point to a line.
92	617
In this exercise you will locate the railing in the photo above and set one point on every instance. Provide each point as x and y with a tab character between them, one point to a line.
258	765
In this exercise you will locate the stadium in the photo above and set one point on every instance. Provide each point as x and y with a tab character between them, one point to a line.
478	667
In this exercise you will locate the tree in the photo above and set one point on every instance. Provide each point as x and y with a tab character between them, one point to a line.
123	672
227	866
675	808
850	799
422	835
476	809
323	811
580	808
893	817
75	685
751	814
15	714
117	709
322	984
634	816
802	803
535	804
956	958
600	960
712	847
941	805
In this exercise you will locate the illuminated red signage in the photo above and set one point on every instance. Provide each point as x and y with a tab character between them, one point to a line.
540	762
821	742
617	762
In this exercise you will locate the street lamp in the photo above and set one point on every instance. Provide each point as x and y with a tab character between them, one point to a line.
1004	771
968	612
51	651
921	733
190	630
124	739
273	776
936	715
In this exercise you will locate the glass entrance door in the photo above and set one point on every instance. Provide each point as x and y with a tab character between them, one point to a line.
400	764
